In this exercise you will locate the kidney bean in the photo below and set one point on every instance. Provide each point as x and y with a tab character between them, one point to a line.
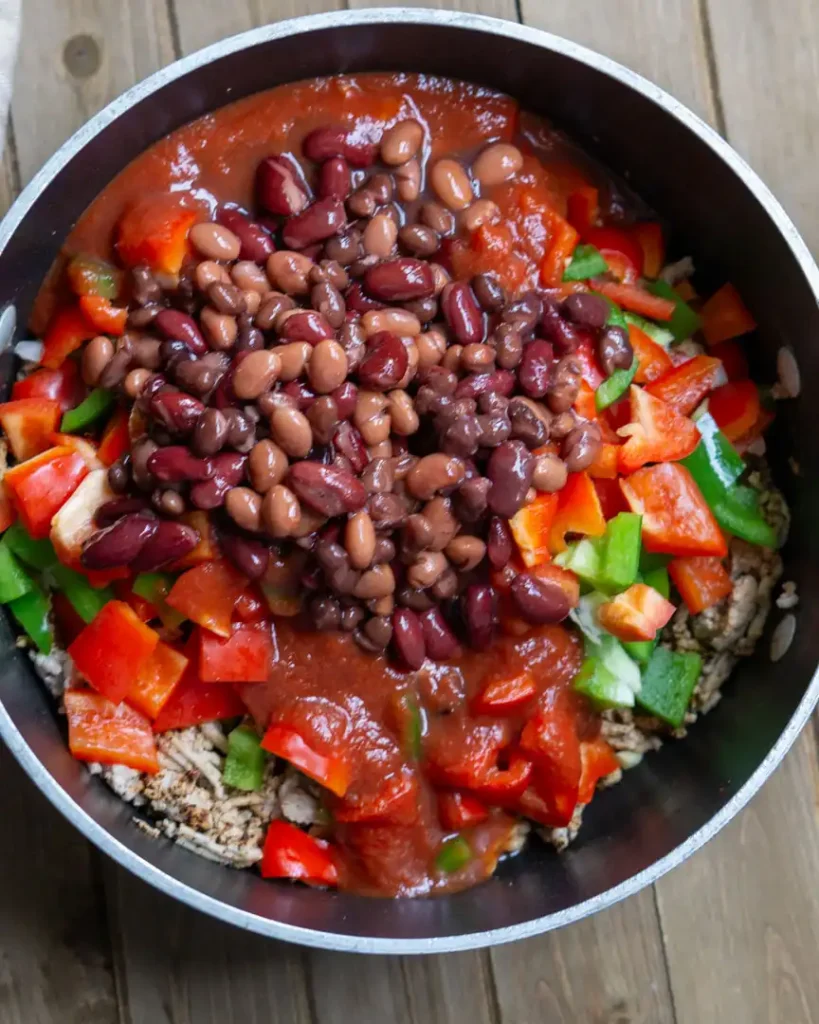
461	436
170	542
177	326
462	313
426	569
279	187
535	368
116	369
434	473
291	430
357	301
539	601
321	220
470	499
563	335
250	556
324	142
550	473
249	339
565	384
327	301
384	364
214	241
500	381
304	325
400	279
328	490
614	350
228	471
378	476
499	542
451	184
345	397
479	615
417	600
586	310
440	642
408	637
281	512
581	447
176	411
508	346
227	298
360	152
327	368
256	243
175	464
325	613
240	430
145	287
530	421
510	468
111	511
496	164
494	430
289	272
119	543
334	178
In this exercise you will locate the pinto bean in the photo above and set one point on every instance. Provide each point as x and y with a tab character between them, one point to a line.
220	329
496	164
530	421
214	241
477	358
550	473
482	211
326	299
290	429
327	369
403	417
408	181
376	582
565	384
398	321
281	512
451	184
96	355
271	308
292	359
510	468
380	236
434	473
419	240
581	447
328	490
256	373
443	524
426	569
401	142
614	350
289	272
279	186
227	298
267	465
244	506
323	417
360	539
371	418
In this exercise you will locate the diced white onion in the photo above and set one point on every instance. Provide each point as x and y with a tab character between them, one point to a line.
788	370
29	351
783	637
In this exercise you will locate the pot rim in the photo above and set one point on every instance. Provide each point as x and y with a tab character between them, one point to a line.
171	886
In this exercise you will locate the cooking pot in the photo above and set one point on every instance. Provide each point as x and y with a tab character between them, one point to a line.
734	228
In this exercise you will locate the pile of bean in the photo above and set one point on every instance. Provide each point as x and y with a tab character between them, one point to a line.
316	381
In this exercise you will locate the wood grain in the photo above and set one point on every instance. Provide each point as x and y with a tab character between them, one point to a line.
75	56
55	954
204	21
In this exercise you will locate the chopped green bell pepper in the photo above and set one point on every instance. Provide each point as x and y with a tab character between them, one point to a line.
14	580
32	611
716	466
586	262
155	587
668	682
89	410
649	561
615	386
621	551
86	600
583	558
684	321
411	726
245	761
658	334
39	554
95	277
608	676
453	854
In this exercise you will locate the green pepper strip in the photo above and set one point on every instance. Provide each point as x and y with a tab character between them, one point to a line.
658	334
615	386
39	554
583	558
715	466
32	612
105	283
621	554
155	587
97	403
454	854
586	262
684	321
668	682
86	600
641	650
14	580
245	761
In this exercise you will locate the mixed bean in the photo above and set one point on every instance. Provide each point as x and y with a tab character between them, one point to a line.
316	382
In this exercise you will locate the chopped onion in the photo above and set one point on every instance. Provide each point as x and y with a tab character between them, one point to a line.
783	637
29	351
788	370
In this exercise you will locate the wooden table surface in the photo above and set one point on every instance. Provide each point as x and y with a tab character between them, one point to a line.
731	936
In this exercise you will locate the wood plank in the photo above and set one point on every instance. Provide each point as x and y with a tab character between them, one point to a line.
175	966
206	21
747	897
76	56
662	39
55	954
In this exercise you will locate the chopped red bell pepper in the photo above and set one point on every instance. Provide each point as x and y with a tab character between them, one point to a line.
144	609
88	275
290	853
735	407
62	385
395	802
676	518
28	424
585	405
458	810
330	770
564	578
605	464
732	356
562	243
683	387
649	236
636	614
65	333
583	209
597	760
504	786
155	231
550	739
115	439
725	316
250	608
531	526
657	433
243	657
611	241
586	354
39	487
578	511
610	497
113	649
686	291
207	594
100	730
157	680
74	523
81	445
701	581
652	359
193	702
636	299
103	315
7	513
505	694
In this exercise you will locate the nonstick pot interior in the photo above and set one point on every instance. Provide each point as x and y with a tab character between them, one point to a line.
734	229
